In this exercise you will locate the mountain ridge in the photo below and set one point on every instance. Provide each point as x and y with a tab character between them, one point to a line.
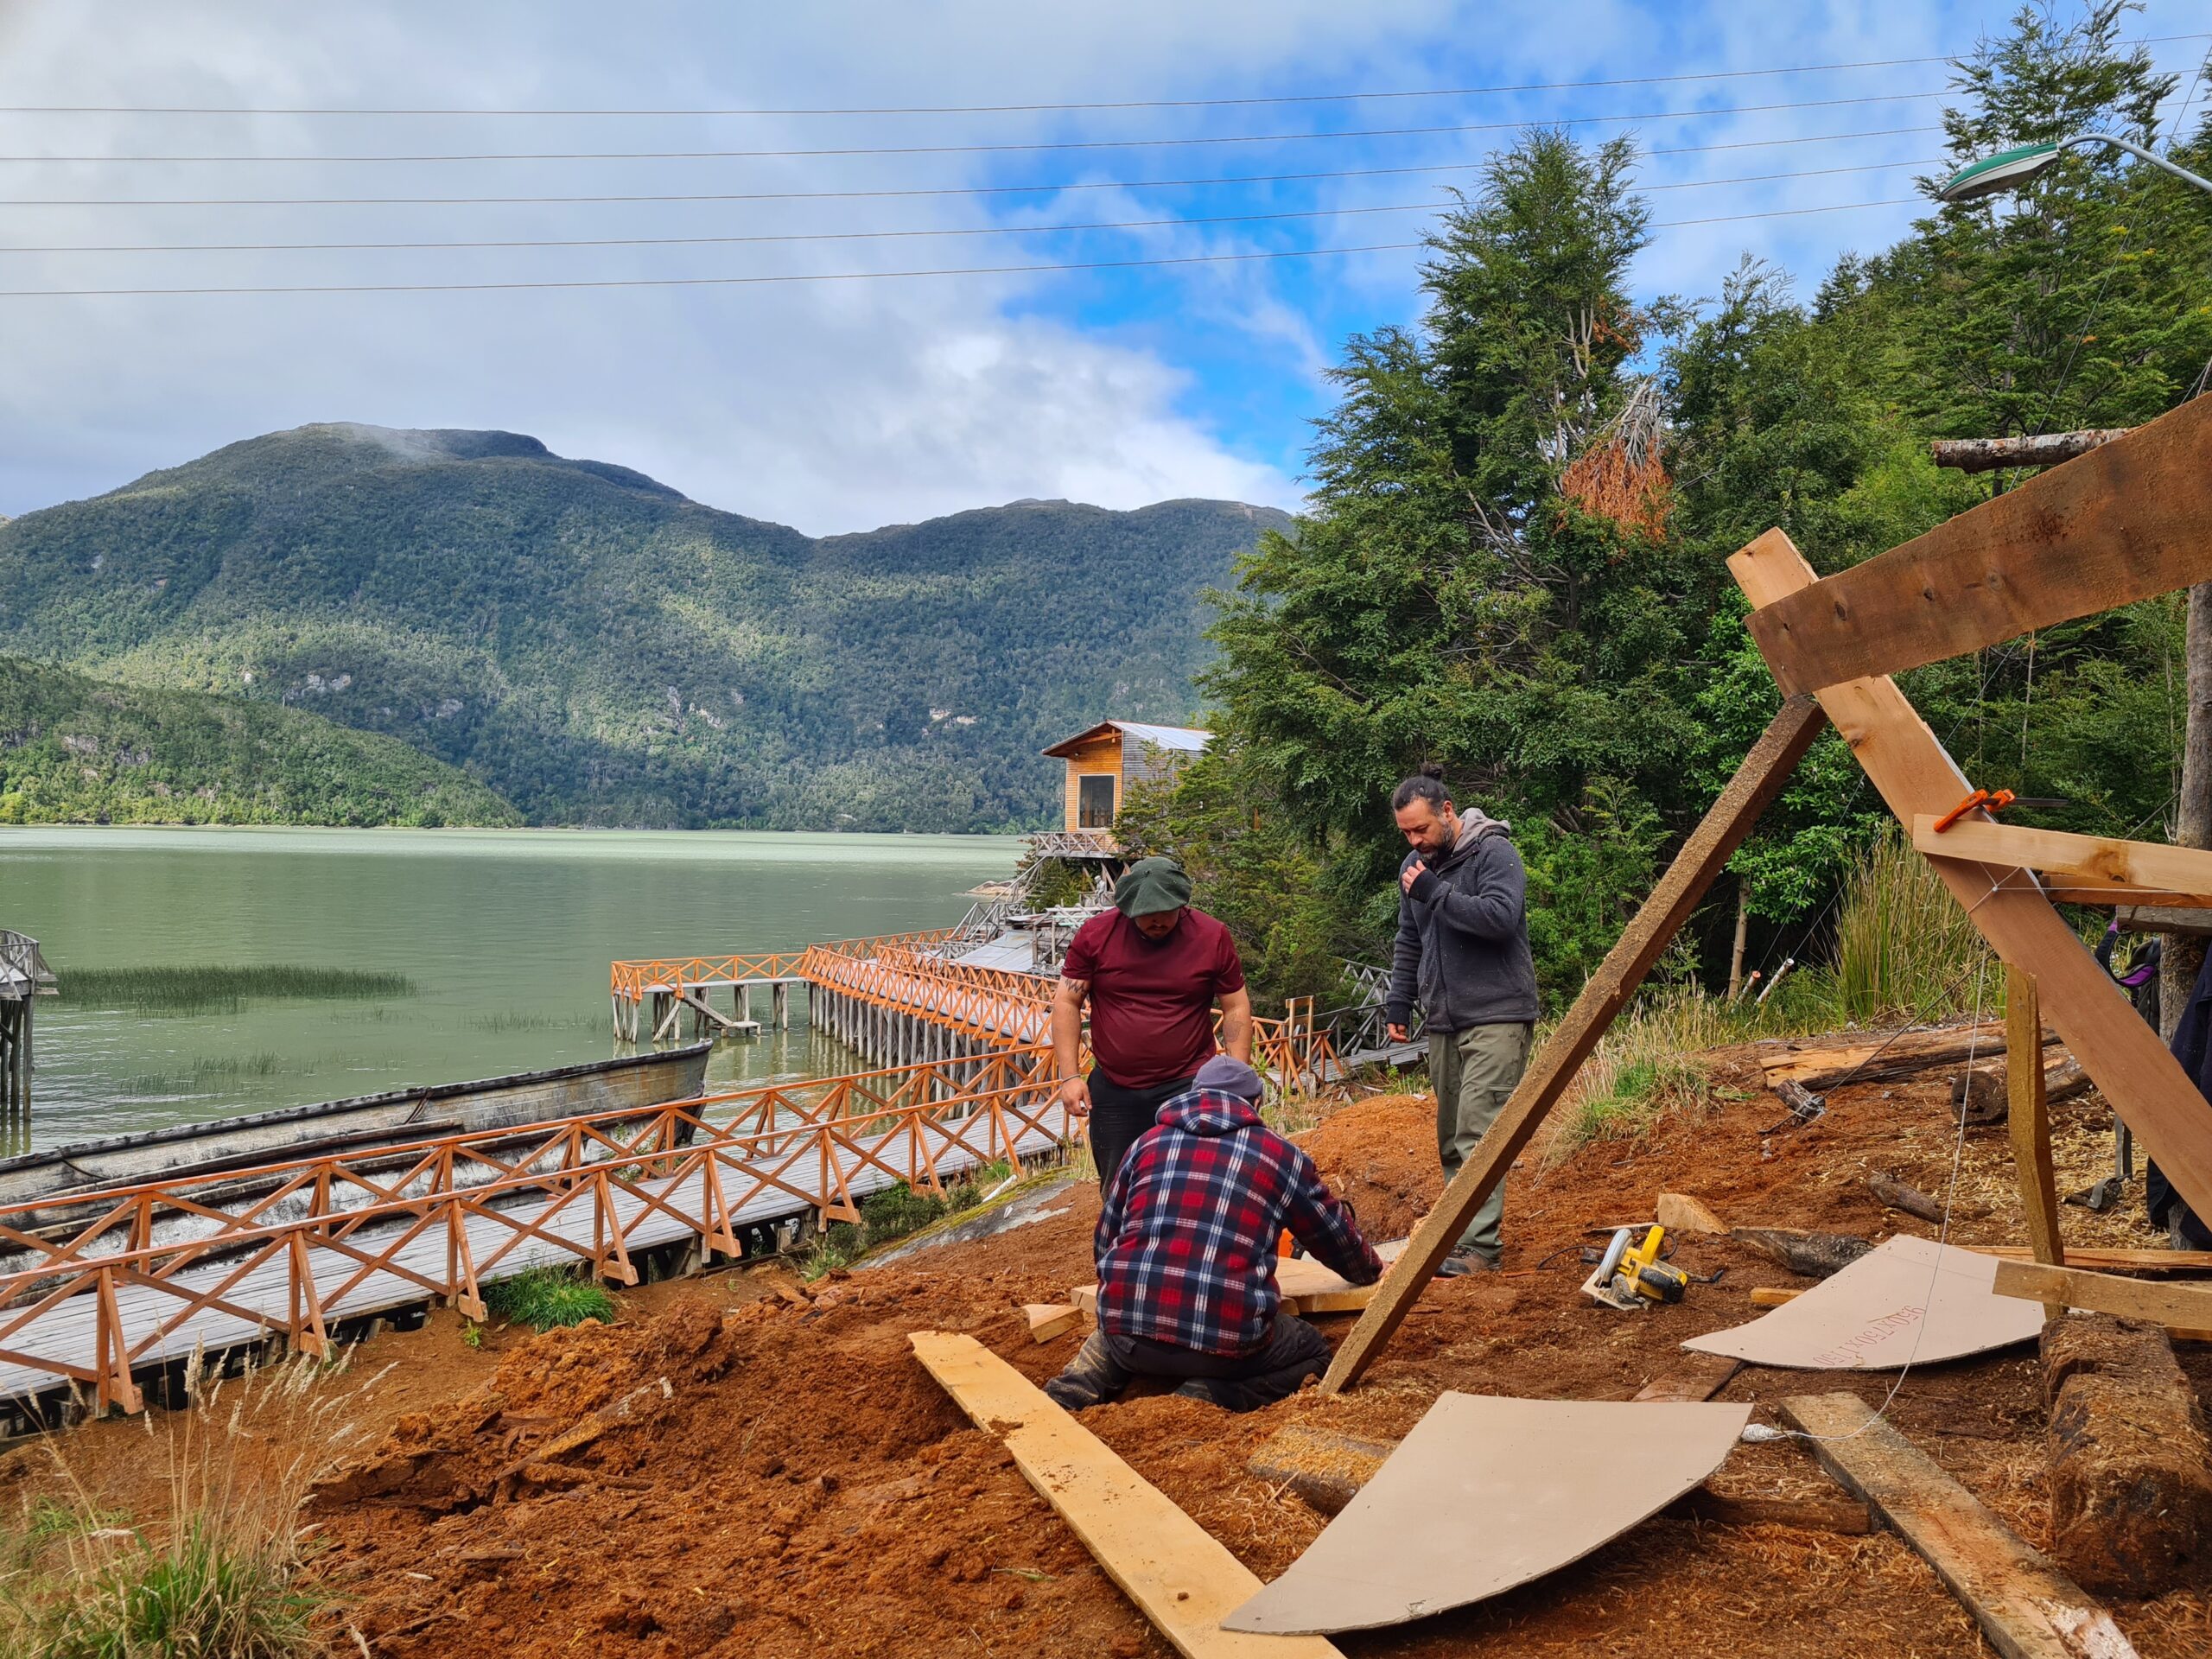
598	648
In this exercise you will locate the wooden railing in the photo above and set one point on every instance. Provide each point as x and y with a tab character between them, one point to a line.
998	1005
324	1238
634	978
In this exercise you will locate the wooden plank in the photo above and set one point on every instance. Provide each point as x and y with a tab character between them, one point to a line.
1678	1213
2185	1308
2102	859
1806	1513
1179	1574
1051	1320
2028	1118
1698	1377
2128	521
2025	1606
2164	918
2145	1083
2121	1260
1765	770
1772	1296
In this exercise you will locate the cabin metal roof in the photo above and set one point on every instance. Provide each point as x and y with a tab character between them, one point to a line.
1184	740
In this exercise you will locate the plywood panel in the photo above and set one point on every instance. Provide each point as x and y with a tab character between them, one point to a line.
1911	1300
1489	1493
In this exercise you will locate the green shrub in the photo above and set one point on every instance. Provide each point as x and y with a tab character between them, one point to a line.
839	1246
542	1297
897	1211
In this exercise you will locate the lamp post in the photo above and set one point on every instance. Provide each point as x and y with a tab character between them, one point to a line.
2009	169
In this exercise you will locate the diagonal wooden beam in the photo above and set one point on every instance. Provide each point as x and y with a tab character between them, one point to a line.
1905	763
2126	522
1757	782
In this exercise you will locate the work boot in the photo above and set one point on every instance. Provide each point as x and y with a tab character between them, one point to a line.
1464	1261
1090	1378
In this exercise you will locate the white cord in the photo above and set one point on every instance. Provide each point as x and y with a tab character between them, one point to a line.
1942	1233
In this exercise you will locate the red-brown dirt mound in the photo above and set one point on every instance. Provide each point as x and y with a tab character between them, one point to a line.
800	1486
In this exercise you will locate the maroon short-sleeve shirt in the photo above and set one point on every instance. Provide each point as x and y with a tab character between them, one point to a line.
1151	1003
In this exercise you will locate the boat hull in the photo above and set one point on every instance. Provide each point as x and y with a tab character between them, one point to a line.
633	1082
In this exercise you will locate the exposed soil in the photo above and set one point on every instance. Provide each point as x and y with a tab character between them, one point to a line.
776	1475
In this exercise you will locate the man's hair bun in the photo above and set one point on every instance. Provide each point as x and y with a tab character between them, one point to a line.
1431	769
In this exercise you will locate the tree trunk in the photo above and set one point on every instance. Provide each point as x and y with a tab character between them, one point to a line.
2183	955
2041	449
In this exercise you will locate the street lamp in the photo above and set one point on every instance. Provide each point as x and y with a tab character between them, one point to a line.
2010	169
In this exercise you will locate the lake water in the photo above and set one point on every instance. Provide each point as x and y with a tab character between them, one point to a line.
506	936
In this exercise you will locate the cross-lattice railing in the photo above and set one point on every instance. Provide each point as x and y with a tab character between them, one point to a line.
293	1246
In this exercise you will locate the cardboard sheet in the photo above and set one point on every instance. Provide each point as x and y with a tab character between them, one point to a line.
1486	1494
1877	1314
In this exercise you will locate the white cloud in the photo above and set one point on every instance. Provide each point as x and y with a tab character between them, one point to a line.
832	406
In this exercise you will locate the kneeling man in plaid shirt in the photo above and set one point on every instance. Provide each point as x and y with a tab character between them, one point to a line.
1186	1246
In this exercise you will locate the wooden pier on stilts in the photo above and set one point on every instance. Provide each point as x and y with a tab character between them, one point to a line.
24	977
902	1001
652	996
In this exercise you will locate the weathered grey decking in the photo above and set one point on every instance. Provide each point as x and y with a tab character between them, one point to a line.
67	1330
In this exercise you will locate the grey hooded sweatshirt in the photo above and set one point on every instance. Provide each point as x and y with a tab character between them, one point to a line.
1462	948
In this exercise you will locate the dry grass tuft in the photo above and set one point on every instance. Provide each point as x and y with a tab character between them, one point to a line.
218	1576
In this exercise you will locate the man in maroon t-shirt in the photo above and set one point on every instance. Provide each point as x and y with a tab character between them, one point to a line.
1152	969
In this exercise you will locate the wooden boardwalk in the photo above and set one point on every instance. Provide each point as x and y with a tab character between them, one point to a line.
103	1304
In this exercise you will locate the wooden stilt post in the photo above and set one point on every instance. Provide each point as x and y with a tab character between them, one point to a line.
2028	1113
1757	782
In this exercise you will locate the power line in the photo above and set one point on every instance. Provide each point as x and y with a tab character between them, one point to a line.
851	276
937	190
1004	148
1034	109
862	236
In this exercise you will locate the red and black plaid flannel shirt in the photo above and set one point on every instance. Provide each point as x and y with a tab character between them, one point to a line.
1186	1237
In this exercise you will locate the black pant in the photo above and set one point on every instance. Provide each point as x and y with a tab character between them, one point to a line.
1293	1351
1119	1115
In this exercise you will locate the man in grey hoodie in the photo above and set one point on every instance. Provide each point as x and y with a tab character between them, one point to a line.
1462	952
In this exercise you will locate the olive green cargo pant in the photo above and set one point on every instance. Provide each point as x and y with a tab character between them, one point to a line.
1474	1072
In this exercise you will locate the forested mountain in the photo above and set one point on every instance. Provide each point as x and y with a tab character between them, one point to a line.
600	649
74	750
1515	563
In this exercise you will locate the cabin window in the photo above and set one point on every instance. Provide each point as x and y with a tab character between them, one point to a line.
1094	802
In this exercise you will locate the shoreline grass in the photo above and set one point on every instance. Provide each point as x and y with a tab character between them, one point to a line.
180	988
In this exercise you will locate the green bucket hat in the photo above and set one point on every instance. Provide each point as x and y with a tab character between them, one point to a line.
1150	885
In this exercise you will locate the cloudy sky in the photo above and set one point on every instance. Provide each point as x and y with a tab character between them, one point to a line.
872	399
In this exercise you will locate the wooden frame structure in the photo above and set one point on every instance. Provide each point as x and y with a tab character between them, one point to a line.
2126	522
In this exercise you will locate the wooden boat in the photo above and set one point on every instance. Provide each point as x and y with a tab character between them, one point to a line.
396	1117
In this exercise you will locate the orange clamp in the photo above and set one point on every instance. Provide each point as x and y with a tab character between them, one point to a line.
1992	801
